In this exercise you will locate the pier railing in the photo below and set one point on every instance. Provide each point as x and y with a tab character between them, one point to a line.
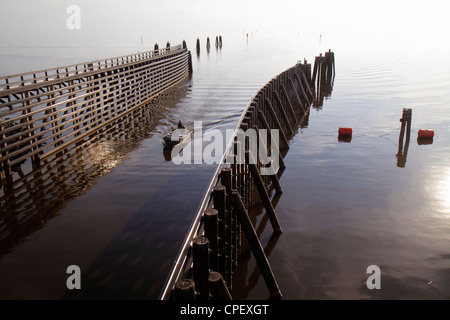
44	112
209	255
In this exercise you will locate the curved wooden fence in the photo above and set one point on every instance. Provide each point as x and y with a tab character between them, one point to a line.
44	112
209	255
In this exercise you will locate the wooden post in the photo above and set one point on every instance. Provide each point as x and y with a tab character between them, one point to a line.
299	101
266	126
211	233
277	123
198	46
256	247
226	179
200	257
283	112
302	90
184	290
218	287
306	85
190	64
276	183
263	194
219	204
286	96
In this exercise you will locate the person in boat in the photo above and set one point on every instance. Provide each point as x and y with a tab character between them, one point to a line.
180	125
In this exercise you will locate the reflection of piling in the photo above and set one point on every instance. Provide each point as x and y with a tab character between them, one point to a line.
406	125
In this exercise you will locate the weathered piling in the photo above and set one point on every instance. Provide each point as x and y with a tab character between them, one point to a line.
227	181
197	46
264	195
208	45
219	200
218	287
211	233
200	266
322	77
185	290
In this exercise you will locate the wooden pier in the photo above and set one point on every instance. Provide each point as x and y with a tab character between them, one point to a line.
44	113
223	228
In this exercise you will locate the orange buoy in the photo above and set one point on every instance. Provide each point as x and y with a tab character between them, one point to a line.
426	133
345	131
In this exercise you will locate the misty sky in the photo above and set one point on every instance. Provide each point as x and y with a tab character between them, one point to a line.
36	27
110	22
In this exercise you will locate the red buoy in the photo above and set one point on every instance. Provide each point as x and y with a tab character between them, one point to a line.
345	131
426	133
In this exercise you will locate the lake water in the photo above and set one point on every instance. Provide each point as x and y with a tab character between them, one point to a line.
345	206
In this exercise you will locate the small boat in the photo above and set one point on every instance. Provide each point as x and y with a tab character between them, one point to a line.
177	136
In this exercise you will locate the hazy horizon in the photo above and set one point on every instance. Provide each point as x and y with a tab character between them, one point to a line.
107	26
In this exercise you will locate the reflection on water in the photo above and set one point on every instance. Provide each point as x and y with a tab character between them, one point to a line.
347	206
28	203
403	149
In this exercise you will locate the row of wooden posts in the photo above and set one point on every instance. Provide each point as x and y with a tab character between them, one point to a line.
209	256
45	112
208	44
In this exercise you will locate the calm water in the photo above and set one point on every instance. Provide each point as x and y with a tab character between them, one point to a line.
345	206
